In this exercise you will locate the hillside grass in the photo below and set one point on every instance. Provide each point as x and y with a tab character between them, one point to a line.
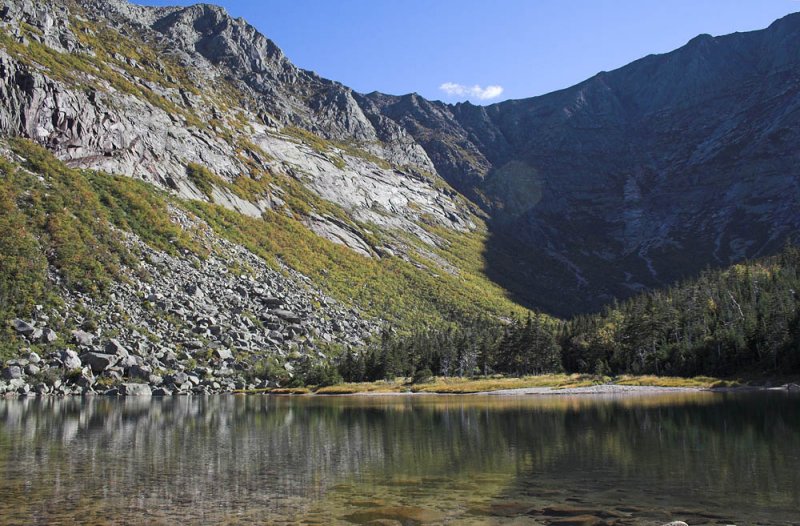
705	382
390	289
54	217
66	221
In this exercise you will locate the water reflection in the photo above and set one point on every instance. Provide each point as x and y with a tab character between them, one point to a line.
706	458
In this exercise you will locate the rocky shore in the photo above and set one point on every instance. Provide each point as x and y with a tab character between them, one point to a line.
181	325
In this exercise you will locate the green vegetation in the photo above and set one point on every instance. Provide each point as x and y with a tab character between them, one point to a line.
723	323
66	216
53	216
474	347
136	206
705	382
741	321
23	266
203	179
487	384
461	385
391	288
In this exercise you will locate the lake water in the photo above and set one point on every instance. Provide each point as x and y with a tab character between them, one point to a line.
706	458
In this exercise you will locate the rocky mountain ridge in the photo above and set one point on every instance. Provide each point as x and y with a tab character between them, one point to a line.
635	177
139	118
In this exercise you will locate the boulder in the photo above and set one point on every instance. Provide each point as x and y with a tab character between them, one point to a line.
70	359
271	302
223	354
127	361
12	372
99	362
23	327
140	371
193	291
133	389
177	379
33	357
115	347
161	391
287	315
86	379
44	335
82	338
32	369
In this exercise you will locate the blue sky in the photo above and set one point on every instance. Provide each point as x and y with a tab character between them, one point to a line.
486	51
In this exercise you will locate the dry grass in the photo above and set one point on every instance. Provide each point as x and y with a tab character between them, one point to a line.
482	385
463	385
397	386
441	385
276	390
674	381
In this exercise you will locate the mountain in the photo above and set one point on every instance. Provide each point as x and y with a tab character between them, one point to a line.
178	196
636	177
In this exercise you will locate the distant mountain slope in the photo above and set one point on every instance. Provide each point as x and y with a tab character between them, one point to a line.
635	177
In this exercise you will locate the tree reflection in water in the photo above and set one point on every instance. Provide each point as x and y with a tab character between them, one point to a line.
706	457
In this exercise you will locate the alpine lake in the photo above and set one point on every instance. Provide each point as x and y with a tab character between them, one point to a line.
699	457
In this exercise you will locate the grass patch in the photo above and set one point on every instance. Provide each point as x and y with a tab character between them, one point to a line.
276	391
443	385
203	178
365	387
705	382
469	385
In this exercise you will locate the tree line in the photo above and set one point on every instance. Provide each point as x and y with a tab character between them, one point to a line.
744	319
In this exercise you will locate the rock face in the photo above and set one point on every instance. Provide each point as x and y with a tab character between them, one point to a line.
629	180
373	168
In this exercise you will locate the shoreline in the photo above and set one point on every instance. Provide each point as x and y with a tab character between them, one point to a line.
574	385
595	390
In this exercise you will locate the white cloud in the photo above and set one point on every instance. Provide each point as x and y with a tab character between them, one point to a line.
460	90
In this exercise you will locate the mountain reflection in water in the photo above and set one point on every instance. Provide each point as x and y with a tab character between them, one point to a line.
706	458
